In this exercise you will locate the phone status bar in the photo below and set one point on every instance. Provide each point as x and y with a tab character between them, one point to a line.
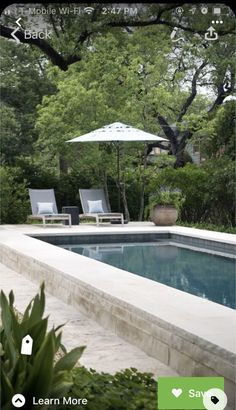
204	9
114	9
73	9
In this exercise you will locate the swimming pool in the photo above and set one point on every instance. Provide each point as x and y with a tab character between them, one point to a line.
201	272
185	332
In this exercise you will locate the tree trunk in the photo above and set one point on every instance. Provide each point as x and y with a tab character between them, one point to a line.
63	165
141	206
143	183
124	200
180	160
104	177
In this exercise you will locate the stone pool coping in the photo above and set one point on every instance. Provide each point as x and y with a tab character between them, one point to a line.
192	335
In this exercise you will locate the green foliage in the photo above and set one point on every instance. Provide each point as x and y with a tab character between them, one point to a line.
40	376
125	390
209	227
225	125
35	174
14	203
166	196
208	190
190	181
10	128
119	77
219	193
216	136
35	375
23	83
222	141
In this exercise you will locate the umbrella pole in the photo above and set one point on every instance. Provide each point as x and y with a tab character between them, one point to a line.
118	174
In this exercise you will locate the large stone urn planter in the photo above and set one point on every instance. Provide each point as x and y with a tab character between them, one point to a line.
164	215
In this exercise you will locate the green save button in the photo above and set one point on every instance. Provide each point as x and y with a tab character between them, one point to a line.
186	392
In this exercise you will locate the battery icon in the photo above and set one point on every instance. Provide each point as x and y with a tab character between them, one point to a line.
216	10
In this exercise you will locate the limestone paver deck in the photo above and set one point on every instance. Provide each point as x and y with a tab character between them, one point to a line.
105	351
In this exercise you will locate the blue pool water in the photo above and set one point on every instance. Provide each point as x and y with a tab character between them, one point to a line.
202	274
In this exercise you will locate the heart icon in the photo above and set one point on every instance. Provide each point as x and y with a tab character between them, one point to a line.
177	392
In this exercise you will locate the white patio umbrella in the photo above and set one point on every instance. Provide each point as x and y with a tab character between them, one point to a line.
116	133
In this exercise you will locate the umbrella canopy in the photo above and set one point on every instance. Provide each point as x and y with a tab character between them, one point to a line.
117	132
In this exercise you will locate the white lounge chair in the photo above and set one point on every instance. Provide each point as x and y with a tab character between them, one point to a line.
44	207
95	206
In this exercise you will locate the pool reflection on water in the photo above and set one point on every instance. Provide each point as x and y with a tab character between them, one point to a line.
200	273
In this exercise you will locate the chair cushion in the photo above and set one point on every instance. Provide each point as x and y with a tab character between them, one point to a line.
95	207
45	207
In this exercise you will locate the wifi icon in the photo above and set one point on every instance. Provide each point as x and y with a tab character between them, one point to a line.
88	10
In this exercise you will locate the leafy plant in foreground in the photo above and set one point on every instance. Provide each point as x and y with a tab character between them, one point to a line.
125	390
36	375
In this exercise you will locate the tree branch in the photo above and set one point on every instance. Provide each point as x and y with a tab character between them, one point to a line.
51	18
169	133
224	89
63	63
156	145
171	24
193	94
222	94
158	20
56	58
186	135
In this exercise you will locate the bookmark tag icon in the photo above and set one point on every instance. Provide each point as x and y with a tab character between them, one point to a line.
26	345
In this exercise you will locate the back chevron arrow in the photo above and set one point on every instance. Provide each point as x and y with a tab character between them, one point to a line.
13	35
18	22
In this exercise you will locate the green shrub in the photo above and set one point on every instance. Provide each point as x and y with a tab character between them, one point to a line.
208	190
126	390
35	375
219	193
190	180
14	205
209	227
167	196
